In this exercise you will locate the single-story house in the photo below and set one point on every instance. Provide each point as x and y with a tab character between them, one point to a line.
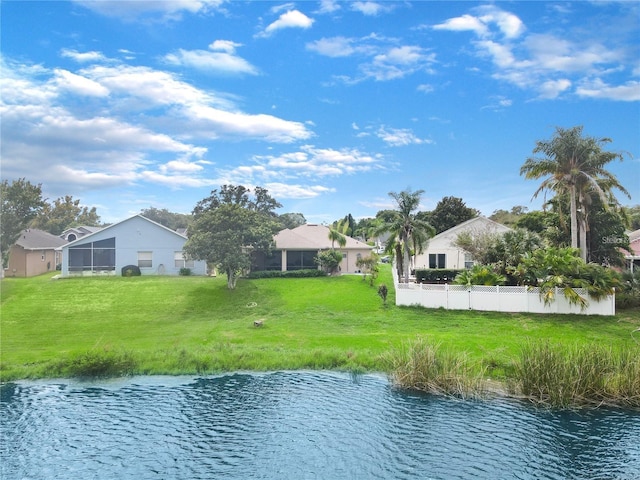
74	233
154	248
441	251
296	249
633	255
34	253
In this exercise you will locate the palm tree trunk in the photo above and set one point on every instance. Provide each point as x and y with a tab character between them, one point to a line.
584	250
574	218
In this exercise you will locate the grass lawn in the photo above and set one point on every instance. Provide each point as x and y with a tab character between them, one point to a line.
188	325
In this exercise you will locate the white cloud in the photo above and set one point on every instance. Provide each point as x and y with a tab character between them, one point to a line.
328	6
464	23
371	8
82	57
398	62
164	9
78	84
310	161
221	59
296	191
384	59
629	92
114	139
333	47
553	88
545	63
425	88
400	137
290	19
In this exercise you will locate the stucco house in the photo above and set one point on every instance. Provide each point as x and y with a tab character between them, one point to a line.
34	253
633	255
74	233
441	251
296	249
154	248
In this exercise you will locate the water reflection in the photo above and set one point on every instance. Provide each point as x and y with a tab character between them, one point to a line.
298	425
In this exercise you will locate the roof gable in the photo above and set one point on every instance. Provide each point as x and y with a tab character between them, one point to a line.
120	224
479	223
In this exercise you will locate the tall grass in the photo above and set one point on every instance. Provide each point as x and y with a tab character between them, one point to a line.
564	376
426	366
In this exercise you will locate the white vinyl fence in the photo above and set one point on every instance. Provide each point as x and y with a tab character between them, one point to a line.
497	299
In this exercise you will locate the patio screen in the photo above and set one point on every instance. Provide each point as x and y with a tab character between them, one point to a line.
93	256
301	260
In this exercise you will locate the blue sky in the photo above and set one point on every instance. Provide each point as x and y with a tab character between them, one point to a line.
328	105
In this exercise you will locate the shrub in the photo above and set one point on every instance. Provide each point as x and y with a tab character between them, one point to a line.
628	295
131	271
436	275
329	260
185	272
287	274
479	275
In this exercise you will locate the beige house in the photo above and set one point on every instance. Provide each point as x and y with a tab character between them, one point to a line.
34	253
441	251
296	249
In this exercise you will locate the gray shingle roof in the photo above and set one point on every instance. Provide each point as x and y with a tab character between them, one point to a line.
34	239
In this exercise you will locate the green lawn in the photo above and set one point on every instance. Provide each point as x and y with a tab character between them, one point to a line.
175	325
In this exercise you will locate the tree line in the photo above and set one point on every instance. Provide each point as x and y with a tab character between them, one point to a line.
227	226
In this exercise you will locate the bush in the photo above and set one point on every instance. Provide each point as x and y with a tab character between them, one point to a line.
329	260
185	272
436	275
131	271
288	274
479	275
628	295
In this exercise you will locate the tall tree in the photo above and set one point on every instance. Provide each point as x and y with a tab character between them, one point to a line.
21	203
574	165
336	236
229	226
408	231
291	220
171	220
63	213
449	212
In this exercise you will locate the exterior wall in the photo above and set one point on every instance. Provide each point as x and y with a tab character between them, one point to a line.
443	243
137	234
29	263
349	259
496	299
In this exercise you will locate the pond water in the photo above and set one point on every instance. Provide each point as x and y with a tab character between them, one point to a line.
298	425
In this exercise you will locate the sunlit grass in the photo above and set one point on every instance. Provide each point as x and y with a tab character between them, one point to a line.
195	325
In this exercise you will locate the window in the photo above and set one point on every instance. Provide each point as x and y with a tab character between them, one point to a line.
468	261
437	260
182	261
301	260
145	259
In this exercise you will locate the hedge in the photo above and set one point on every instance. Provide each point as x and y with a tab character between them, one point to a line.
436	275
287	274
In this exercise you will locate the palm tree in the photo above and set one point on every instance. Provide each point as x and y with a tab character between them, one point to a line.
336	236
408	231
574	165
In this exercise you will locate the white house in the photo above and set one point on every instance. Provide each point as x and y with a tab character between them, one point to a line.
297	248
441	251
154	248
